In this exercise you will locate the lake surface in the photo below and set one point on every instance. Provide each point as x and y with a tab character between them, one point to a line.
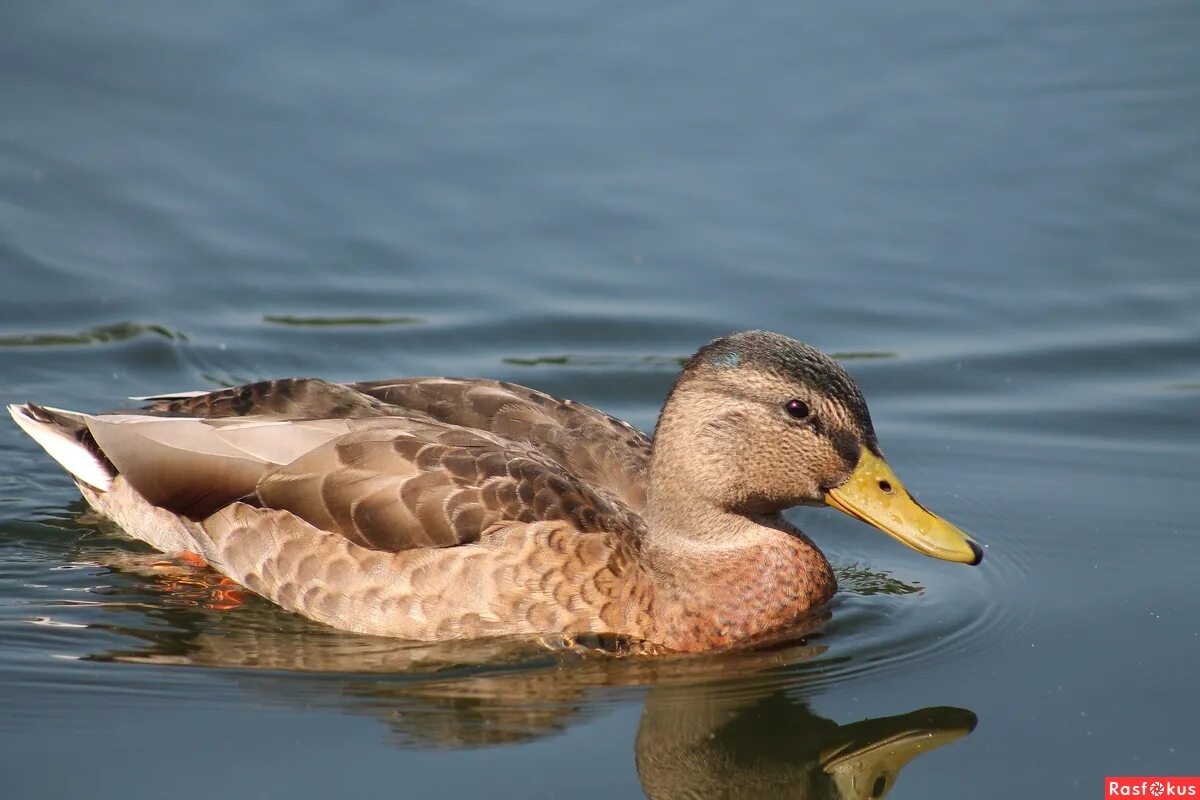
990	212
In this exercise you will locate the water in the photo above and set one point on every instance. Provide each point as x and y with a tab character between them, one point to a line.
989	212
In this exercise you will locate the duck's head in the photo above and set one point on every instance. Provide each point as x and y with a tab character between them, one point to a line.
758	422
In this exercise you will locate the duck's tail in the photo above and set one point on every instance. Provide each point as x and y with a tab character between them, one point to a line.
65	436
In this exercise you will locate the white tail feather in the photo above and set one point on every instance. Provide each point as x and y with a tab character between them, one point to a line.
63	448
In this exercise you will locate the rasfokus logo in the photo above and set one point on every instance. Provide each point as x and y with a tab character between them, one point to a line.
1152	786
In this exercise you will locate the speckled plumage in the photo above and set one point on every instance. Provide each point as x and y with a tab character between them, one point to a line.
437	508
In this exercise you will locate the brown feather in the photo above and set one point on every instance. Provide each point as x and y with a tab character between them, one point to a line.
292	398
599	449
403	484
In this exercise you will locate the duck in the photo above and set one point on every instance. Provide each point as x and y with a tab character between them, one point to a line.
437	509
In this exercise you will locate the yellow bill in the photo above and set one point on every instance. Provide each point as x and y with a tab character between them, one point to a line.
866	757
875	495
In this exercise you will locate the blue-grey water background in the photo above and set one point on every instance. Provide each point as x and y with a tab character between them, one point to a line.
990	211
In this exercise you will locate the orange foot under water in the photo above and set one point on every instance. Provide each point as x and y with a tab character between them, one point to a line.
192	559
188	580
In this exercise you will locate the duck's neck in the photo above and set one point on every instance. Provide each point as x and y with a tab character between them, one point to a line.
727	577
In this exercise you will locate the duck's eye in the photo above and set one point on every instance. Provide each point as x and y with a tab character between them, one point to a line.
797	409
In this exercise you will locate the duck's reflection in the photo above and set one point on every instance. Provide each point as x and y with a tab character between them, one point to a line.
774	746
730	725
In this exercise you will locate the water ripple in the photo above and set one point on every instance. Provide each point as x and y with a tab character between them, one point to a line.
102	334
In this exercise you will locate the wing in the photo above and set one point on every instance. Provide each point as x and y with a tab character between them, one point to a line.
292	398
195	466
407	483
598	449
